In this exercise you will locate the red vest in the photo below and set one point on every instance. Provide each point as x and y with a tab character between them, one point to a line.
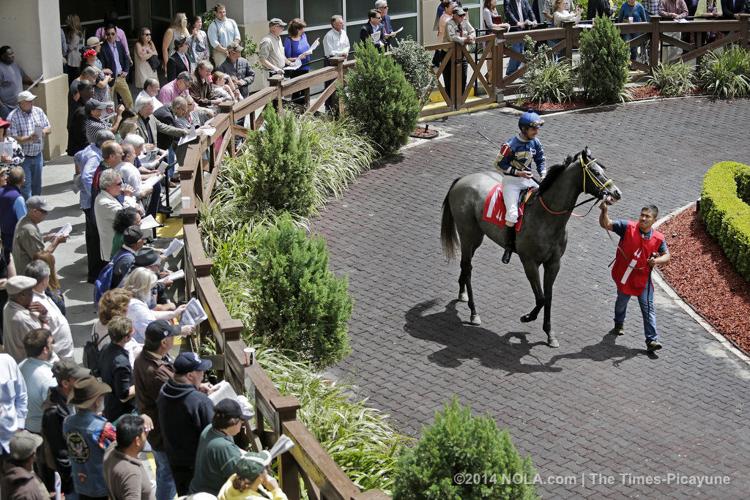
631	271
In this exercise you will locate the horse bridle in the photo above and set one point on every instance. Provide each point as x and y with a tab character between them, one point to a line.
587	173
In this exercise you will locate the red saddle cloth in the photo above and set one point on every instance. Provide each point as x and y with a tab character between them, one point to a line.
494	207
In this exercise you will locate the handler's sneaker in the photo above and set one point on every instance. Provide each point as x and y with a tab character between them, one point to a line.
653	345
617	330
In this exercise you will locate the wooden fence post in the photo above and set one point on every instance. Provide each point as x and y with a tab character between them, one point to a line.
744	26
497	63
568	27
275	81
655	54
338	63
289	472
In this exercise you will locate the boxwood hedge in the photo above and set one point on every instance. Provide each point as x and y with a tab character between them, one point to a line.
725	208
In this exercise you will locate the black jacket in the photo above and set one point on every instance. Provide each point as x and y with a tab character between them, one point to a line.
511	12
175	66
108	58
115	370
184	412
731	7
598	8
77	131
54	411
365	34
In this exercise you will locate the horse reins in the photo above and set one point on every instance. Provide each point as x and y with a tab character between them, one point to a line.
594	180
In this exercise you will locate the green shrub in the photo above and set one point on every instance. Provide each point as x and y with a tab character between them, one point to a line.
672	80
547	80
604	62
726	211
380	100
416	64
726	74
275	279
361	440
459	443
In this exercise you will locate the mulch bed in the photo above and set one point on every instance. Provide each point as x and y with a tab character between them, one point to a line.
643	92
704	278
551	107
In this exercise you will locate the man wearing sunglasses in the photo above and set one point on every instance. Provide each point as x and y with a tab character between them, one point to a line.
373	31
114	57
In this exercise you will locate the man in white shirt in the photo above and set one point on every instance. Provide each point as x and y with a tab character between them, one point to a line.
335	44
271	49
151	89
221	33
37	373
56	321
13	400
107	205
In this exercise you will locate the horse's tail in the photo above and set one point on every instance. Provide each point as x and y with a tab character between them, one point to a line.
448	234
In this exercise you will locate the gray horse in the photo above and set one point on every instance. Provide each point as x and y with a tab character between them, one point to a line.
543	236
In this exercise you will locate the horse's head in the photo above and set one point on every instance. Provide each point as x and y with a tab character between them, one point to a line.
595	180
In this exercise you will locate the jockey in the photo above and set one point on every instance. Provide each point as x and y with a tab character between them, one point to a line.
514	161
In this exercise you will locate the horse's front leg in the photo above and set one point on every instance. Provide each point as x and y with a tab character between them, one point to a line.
532	274
551	268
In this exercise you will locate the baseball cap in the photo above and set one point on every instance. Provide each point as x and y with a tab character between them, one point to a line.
93	104
276	22
188	362
23	444
67	368
26	96
158	330
232	409
147	257
132	235
38	202
18	284
93	41
250	464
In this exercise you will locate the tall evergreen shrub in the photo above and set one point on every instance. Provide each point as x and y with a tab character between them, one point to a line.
380	100
604	63
458	445
416	63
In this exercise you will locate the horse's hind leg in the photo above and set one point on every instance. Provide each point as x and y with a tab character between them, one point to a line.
468	247
532	274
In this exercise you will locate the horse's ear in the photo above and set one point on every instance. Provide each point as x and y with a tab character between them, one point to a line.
587	153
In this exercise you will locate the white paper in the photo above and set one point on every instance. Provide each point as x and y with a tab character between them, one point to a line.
682	21
39	133
36	82
7	149
179	274
174	247
65	230
309	51
151	181
191	136
207	131
149	223
394	33
283	444
295	64
162	167
194	313
222	390
58	486
376	36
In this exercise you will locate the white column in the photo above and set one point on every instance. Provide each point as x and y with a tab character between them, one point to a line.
32	29
252	18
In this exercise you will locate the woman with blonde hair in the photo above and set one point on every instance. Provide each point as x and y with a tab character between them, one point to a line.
178	29
141	282
144	51
72	45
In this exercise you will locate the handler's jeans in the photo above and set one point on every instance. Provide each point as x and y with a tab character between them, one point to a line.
512	187
646	301
32	169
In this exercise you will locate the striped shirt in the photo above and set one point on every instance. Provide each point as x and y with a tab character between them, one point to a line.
92	126
23	124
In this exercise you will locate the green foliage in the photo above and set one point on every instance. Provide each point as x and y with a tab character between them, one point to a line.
380	99
672	80
416	64
275	279
725	208
360	440
546	80
726	74
604	62
460	443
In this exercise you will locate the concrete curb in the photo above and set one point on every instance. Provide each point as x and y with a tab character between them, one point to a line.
662	283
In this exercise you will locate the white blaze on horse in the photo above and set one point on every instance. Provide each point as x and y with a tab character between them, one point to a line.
543	236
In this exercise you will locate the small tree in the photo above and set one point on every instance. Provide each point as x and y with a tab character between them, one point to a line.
381	101
416	63
458	445
604	62
301	306
282	170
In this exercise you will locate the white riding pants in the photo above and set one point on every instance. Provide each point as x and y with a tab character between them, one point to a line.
512	187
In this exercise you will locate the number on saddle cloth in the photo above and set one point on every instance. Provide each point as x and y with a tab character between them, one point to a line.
494	207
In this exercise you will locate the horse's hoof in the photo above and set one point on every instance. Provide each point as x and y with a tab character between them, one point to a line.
475	320
527	318
463	297
552	342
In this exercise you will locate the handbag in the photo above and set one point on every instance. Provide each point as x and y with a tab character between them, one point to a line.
154	62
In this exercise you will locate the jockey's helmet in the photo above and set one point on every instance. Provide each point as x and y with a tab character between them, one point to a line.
530	119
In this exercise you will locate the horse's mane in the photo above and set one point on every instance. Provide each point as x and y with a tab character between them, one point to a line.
553	173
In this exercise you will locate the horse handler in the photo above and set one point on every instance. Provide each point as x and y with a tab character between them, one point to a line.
641	248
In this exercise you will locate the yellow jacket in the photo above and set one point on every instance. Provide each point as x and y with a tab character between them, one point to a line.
228	492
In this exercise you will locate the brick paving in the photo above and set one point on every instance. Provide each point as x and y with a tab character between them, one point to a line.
597	404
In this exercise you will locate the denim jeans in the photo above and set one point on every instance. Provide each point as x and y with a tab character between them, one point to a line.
165	487
32	169
646	301
512	63
633	50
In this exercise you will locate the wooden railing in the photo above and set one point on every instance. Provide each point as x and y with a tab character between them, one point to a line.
487	62
276	414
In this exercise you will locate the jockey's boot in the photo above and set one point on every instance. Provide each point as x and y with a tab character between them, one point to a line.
510	243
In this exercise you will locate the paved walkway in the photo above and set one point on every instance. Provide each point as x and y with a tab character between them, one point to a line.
596	405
